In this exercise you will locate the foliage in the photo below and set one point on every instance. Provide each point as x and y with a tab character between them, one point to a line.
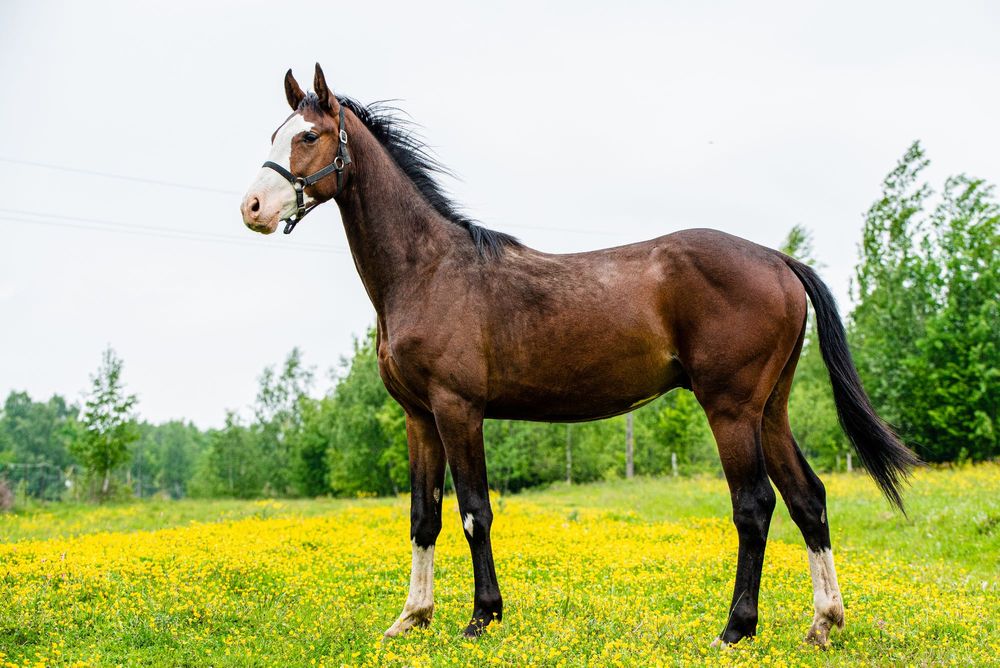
235	463
34	443
364	429
674	424
310	469
108	424
278	412
164	457
926	328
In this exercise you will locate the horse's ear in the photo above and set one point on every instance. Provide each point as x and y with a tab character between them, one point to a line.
327	100
292	91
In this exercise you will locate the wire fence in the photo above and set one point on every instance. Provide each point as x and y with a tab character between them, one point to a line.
39	480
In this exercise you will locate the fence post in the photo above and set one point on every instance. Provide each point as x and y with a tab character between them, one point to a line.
673	463
629	464
569	455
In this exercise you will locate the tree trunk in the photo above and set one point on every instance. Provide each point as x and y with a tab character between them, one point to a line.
105	485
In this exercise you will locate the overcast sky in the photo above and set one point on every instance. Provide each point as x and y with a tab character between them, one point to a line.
572	125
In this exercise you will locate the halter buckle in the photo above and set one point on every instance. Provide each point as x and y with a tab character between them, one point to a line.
343	136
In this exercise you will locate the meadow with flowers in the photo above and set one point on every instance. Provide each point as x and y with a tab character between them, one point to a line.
623	573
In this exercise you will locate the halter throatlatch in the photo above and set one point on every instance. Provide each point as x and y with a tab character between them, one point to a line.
299	184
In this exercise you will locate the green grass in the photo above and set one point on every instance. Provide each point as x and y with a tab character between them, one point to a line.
953	514
64	520
620	573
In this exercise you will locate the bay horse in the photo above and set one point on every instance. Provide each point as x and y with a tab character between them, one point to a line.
472	324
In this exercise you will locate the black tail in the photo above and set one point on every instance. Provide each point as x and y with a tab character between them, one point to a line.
882	452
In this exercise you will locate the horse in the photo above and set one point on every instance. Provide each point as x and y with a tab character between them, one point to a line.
472	324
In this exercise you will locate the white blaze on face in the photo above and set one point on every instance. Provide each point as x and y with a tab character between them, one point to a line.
274	191
468	524
826	591
419	606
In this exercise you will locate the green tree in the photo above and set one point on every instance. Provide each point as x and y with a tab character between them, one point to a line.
525	454
109	423
956	369
164	458
364	428
310	466
278	412
673	424
34	443
233	465
893	288
181	445
926	327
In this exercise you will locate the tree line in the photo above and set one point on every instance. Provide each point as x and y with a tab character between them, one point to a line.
925	331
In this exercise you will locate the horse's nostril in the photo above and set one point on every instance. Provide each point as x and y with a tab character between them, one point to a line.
255	205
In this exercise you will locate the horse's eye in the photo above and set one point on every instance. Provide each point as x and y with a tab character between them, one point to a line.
310	137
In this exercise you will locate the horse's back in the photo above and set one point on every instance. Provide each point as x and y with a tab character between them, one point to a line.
606	330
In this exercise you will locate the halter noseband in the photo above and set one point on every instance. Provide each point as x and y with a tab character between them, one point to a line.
299	184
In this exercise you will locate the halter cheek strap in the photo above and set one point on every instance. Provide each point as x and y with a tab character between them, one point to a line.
299	183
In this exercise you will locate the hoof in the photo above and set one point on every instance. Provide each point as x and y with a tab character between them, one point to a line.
408	620
737	630
721	643
823	623
477	626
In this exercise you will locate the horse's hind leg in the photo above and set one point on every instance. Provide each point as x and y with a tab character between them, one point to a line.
805	497
736	427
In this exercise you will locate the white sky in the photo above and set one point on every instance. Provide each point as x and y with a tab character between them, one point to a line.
573	125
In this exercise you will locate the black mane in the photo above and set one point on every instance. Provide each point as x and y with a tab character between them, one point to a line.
413	157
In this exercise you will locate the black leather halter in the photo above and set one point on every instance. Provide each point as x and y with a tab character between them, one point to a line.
299	184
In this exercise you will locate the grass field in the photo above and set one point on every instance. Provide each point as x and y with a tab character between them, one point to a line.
627	573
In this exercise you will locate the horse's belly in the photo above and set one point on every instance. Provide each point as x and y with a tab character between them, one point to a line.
564	393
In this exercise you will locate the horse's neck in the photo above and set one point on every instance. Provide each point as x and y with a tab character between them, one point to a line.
394	234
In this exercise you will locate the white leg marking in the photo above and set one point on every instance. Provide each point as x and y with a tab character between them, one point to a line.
419	606
437	495
468	524
826	596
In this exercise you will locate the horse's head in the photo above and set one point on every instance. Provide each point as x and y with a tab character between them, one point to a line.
307	161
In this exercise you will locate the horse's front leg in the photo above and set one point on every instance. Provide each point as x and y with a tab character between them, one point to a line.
460	424
427	462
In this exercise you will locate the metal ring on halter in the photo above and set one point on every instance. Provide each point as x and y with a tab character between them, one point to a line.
338	163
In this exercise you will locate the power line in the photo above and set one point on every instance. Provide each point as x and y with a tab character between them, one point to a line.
135	226
167	233
122	177
223	191
135	229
